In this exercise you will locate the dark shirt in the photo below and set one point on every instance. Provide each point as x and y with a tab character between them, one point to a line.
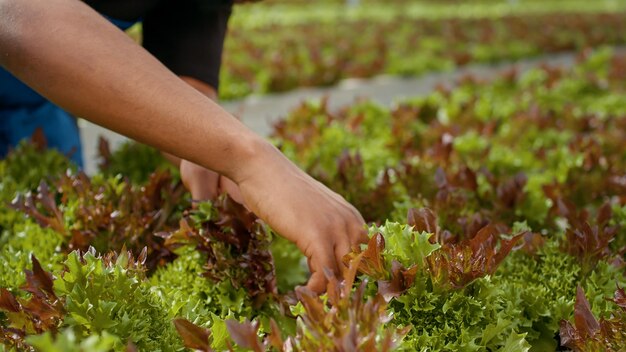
131	10
187	36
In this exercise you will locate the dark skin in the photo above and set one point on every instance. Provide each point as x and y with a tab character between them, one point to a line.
91	69
204	184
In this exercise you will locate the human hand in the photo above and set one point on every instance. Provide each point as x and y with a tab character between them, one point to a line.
205	184
323	225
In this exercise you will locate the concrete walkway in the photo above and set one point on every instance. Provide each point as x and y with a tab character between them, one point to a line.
259	112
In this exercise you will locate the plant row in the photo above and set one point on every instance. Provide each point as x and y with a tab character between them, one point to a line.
497	215
275	57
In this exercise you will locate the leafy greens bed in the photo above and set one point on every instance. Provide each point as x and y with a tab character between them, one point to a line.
497	212
399	40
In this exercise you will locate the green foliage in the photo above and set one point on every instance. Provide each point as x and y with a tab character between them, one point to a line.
541	288
519	208
28	164
406	39
619	220
18	244
182	287
472	319
22	170
133	160
66	341
108	213
589	334
112	296
312	124
468	159
289	264
225	269
469	318
340	319
236	245
404	245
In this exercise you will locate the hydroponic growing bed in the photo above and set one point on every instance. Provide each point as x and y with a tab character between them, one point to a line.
497	212
278	48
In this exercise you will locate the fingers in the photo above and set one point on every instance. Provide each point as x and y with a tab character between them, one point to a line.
230	187
200	182
342	247
317	282
341	239
356	234
321	258
289	201
357	226
204	184
358	229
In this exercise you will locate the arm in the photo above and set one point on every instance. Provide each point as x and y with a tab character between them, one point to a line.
75	58
204	184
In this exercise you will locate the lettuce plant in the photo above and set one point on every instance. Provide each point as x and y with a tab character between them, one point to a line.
590	334
108	213
133	160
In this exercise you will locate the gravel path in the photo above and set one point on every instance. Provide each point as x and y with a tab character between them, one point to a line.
259	112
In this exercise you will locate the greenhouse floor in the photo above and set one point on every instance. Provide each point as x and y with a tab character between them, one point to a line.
259	112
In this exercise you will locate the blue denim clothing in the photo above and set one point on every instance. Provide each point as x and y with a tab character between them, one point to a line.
22	111
121	24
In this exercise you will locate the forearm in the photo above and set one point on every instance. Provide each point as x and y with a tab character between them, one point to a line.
74	57
207	91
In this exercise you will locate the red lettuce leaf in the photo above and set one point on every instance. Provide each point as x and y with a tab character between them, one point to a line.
42	312
457	265
193	336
